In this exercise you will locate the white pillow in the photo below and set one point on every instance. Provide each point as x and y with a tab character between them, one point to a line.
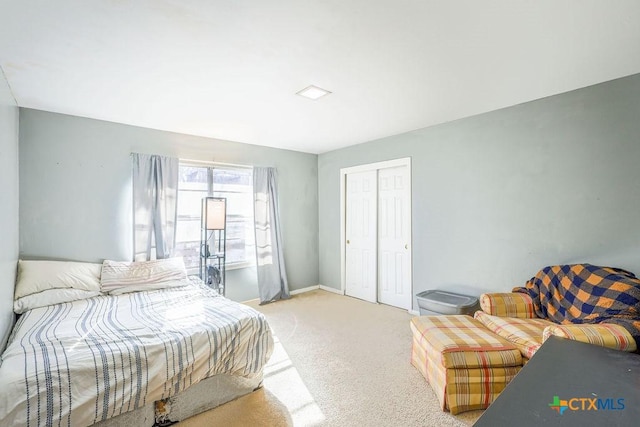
50	297
122	277
38	276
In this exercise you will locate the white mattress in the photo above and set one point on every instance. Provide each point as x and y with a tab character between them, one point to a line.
82	362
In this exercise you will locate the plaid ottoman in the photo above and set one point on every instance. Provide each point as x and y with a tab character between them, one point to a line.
466	364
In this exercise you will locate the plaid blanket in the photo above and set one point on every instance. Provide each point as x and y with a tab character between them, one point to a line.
585	293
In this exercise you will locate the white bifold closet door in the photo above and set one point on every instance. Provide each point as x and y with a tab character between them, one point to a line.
361	226
394	267
378	235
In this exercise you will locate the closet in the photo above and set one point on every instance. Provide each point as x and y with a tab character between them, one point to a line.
376	232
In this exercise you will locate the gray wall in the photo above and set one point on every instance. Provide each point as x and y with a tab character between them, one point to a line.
8	206
500	195
75	191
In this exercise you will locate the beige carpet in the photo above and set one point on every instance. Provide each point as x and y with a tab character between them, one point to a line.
338	361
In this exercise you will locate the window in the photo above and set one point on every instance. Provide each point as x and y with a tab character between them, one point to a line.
236	185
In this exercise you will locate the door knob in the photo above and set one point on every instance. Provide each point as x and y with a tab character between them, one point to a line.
406	246
348	242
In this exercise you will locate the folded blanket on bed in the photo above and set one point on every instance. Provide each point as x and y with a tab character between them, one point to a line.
585	293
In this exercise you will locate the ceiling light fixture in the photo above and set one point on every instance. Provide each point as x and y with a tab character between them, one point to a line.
313	92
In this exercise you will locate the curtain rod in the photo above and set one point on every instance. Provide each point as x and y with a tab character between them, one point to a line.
208	162
211	162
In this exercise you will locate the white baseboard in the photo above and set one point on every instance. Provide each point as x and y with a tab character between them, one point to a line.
303	290
313	288
309	289
293	292
330	289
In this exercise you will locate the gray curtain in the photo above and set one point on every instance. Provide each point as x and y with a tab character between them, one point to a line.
272	277
155	206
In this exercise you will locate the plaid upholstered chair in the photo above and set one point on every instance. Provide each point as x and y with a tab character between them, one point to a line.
511	316
581	302
469	361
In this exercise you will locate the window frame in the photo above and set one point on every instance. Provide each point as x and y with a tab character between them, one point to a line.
211	192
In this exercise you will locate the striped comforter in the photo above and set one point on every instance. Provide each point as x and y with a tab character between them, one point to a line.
77	363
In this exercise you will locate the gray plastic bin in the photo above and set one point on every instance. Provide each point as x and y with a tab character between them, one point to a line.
435	302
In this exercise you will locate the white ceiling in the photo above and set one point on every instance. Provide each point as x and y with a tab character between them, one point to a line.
230	69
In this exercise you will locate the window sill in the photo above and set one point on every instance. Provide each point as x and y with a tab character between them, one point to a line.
239	265
234	266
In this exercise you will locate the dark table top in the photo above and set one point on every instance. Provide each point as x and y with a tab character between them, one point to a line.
569	383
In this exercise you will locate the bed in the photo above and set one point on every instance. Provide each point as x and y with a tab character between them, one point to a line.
145	357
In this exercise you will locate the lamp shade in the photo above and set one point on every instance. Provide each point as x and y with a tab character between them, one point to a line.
214	213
